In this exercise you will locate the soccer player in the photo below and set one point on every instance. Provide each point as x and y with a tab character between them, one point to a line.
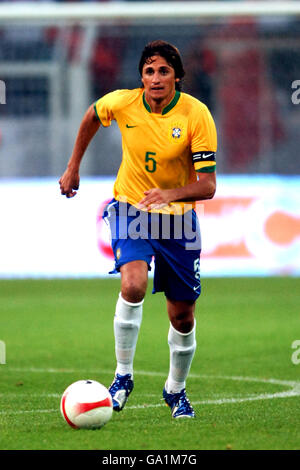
169	144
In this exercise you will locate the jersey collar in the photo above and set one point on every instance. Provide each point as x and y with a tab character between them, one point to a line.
167	108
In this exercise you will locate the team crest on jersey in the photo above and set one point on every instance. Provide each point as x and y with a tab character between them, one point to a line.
176	132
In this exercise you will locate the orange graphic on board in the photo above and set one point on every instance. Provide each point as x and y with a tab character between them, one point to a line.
282	228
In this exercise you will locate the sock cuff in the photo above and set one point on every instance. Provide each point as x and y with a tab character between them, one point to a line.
182	339
130	304
183	334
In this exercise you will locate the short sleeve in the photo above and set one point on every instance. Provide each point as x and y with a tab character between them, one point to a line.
104	109
203	139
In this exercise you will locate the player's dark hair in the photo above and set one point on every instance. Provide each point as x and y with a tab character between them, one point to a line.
169	52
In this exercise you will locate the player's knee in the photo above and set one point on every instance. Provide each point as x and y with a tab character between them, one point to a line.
183	320
133	291
183	325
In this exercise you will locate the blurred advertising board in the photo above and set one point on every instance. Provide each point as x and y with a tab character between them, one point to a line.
250	228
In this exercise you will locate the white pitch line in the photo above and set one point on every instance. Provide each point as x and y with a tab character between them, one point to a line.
30	395
51	370
293	392
20	412
220	401
289	383
87	372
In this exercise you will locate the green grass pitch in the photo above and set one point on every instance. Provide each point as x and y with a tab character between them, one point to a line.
243	384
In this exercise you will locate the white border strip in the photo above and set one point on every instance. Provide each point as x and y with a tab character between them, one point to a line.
24	11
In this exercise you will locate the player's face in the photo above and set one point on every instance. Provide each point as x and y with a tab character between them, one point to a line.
158	78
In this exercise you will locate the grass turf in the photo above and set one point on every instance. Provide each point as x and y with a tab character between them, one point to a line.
60	331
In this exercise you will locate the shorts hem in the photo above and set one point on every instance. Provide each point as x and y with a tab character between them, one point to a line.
118	265
178	298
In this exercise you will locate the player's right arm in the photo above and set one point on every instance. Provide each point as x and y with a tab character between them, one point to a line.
69	182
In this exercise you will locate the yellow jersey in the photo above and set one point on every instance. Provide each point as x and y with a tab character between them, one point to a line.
159	150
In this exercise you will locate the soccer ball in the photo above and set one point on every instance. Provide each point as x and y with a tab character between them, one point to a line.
86	404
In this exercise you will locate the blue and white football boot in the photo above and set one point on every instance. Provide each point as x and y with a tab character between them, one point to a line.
179	404
120	390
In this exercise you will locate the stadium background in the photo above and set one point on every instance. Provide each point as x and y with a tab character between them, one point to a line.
242	67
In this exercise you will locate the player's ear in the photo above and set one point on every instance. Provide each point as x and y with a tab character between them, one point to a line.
177	79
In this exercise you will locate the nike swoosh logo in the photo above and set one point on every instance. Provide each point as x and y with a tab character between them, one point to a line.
129	127
203	156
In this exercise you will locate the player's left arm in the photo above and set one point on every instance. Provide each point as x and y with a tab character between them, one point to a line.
203	188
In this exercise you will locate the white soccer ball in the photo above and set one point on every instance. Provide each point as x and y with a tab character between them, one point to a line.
86	404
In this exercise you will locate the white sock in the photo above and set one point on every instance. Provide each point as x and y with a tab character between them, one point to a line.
127	321
182	350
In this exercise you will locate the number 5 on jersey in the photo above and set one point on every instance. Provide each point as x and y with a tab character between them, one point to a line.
150	162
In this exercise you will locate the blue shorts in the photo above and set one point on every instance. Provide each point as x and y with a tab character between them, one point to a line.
173	240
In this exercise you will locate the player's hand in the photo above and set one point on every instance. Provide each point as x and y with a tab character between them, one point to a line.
69	182
156	198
